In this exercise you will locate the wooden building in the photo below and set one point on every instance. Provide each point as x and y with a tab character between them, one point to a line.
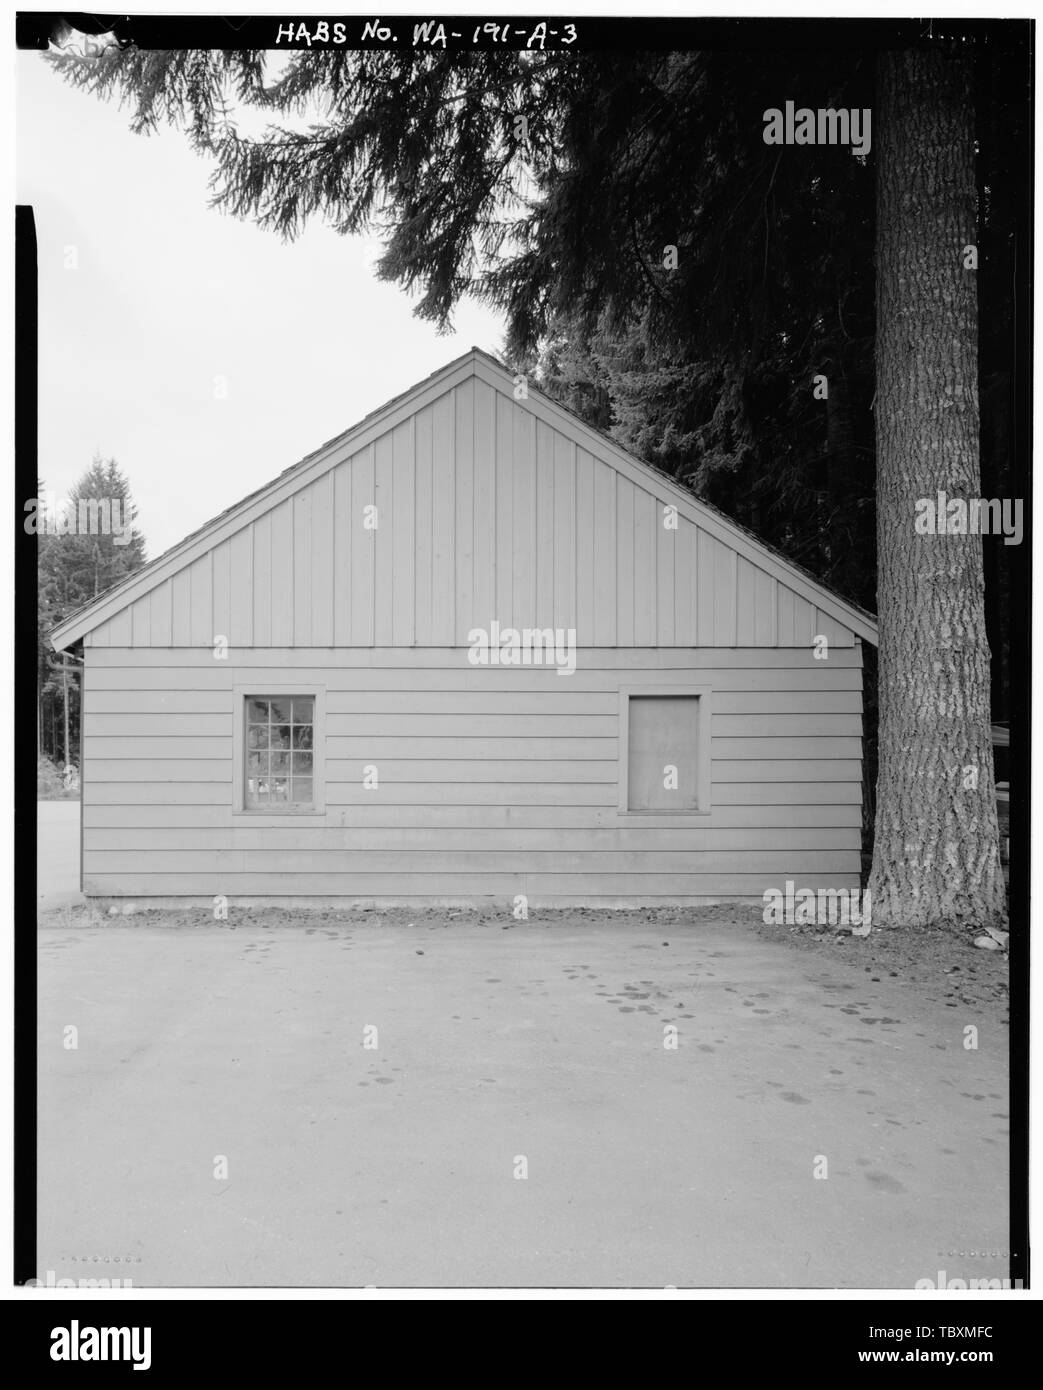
297	700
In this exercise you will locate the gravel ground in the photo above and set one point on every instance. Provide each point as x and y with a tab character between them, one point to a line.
942	964
673	1080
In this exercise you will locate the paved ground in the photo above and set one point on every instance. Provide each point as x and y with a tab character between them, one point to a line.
541	1041
57	853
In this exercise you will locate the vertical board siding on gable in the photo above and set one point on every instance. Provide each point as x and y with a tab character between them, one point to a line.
139	620
221	559
756	606
624	560
827	627
803	622
343	542
503	447
605	552
543	616
262	581
644	568
241	587
463	453
485	502
705	588
494	781
363	548
766	619
181	611
282	568
301	591
382	596
745	603
403	503
584	542
484	511
122	631
785	618
564	544
422	615
683	581
666	575
443	522
321	543
202	600
524	505
725	562
160	630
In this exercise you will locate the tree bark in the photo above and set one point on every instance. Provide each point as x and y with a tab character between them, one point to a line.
936	850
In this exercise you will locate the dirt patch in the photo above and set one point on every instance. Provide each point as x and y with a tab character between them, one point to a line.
941	965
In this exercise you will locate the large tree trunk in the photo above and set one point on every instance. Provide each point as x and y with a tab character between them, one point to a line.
936	851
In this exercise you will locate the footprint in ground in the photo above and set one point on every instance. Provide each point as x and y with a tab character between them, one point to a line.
884	1182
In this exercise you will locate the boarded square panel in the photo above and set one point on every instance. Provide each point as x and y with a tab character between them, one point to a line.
663	733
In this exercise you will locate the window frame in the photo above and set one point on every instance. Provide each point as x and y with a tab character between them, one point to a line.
263	690
660	818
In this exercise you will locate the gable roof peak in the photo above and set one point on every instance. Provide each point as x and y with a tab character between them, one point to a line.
479	364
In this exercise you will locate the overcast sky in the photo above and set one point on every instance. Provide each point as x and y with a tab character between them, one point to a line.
168	295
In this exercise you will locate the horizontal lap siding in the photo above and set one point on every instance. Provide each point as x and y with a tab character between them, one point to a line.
506	840
544	819
492	781
589	890
408	862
